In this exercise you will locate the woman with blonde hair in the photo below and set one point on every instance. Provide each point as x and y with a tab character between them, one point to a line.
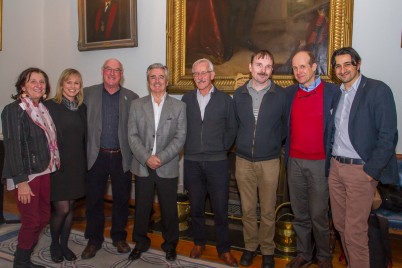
68	183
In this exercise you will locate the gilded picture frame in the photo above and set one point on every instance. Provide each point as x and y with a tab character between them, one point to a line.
339	19
107	24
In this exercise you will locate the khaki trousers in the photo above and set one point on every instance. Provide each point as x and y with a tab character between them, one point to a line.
258	180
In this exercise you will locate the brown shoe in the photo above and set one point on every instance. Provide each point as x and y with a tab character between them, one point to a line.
297	262
228	258
325	264
90	251
196	252
122	246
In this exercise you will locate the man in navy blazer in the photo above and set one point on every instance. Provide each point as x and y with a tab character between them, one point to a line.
311	103
157	128
361	152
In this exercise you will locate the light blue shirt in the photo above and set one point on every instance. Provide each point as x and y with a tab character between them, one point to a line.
313	85
342	144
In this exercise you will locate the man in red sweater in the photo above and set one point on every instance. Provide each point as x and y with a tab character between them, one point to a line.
311	106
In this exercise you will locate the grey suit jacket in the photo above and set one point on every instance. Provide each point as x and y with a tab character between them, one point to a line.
170	135
93	101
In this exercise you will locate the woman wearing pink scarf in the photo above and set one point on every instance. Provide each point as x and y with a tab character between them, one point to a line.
31	154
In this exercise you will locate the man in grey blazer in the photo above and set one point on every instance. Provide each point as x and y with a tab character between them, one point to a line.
156	134
108	154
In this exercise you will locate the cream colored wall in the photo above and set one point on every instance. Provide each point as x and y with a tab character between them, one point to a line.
44	33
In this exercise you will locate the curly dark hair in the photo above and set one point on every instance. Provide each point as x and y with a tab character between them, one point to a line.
24	77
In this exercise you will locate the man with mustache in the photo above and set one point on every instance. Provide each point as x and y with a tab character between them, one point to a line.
211	130
361	151
261	110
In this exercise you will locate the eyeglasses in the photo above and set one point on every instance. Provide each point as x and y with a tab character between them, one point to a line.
201	73
111	70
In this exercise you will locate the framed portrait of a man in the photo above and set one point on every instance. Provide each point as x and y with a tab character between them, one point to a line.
228	32
105	24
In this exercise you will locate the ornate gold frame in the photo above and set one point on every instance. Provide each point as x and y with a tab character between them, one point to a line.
340	35
84	45
1	23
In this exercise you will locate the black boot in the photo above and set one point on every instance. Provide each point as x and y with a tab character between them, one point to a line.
22	258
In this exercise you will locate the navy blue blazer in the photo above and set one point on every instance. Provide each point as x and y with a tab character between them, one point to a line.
331	93
372	130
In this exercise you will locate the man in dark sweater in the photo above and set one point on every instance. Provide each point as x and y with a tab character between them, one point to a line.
311	105
261	110
211	130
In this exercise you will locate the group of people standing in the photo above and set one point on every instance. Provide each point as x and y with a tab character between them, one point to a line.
339	142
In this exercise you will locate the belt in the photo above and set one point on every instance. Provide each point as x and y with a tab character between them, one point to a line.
110	151
347	160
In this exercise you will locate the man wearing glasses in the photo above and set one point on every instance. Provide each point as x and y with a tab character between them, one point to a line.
311	102
211	130
261	110
108	154
361	152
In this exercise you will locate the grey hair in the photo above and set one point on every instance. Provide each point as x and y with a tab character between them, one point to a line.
158	66
210	65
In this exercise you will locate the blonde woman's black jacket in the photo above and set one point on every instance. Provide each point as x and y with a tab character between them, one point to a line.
54	111
25	144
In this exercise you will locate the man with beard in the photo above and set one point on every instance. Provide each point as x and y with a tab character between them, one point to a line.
261	110
361	150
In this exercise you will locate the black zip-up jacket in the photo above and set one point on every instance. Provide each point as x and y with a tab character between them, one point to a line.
261	140
211	138
25	144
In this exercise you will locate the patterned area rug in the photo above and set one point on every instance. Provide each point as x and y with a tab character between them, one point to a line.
106	257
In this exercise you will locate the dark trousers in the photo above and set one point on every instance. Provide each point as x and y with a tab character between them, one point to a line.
202	178
144	198
106	165
36	214
309	196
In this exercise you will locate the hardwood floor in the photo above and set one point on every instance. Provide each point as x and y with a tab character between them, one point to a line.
185	247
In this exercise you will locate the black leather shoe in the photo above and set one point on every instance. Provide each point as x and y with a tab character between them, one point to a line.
268	261
247	258
135	254
68	254
55	253
90	251
171	255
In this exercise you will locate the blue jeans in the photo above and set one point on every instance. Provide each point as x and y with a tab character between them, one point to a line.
106	165
202	178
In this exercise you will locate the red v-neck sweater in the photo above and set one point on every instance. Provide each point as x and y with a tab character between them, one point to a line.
307	124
